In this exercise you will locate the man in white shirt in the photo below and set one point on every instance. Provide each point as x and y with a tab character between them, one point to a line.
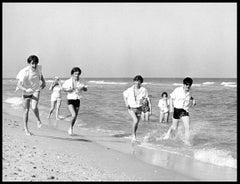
31	81
74	87
180	101
133	98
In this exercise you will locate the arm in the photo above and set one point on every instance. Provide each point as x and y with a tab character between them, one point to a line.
126	101
20	86
193	101
43	85
171	104
150	105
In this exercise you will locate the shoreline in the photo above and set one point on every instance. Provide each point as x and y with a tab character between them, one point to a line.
89	156
52	155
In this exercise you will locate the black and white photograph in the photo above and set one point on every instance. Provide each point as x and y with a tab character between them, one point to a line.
119	91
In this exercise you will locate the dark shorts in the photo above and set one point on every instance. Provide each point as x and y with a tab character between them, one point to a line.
75	103
178	113
137	111
27	96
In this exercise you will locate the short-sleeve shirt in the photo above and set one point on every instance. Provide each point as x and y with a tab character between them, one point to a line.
181	100
76	94
133	100
31	79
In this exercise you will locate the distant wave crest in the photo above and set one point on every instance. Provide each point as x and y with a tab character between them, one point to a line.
104	82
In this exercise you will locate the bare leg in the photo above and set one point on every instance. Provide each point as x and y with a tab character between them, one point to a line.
136	120
26	106
147	116
58	108
161	117
166	117
173	127
185	120
53	103
74	112
35	99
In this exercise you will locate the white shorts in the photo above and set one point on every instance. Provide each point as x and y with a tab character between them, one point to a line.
55	98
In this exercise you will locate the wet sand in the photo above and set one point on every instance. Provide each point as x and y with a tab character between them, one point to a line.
52	155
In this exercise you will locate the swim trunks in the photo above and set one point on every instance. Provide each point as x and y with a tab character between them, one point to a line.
137	111
75	103
27	96
178	113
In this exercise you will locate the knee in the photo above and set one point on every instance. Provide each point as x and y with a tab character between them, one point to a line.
26	111
34	108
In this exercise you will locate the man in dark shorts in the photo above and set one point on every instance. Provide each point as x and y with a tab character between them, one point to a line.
180	101
73	86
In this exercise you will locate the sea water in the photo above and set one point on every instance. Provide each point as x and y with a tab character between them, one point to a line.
213	121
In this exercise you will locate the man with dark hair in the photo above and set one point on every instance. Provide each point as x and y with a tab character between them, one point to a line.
31	81
133	98
180	101
74	87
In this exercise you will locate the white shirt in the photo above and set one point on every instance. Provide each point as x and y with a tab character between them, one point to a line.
76	94
31	79
135	100
163	105
181	100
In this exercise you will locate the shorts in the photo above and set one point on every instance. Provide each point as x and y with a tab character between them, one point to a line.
75	103
138	110
178	113
55	99
28	96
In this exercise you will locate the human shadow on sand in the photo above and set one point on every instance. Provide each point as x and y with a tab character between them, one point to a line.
122	135
64	138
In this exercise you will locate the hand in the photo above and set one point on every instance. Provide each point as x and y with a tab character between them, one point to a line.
84	88
29	90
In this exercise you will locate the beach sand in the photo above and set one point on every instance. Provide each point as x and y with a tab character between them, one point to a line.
50	154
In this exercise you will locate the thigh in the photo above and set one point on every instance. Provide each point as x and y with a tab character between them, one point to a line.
72	110
59	101
133	115
35	99
26	103
185	120
175	123
53	103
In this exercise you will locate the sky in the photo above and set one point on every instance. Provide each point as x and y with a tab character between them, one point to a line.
122	39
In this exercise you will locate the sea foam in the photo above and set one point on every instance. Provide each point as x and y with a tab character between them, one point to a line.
15	101
216	157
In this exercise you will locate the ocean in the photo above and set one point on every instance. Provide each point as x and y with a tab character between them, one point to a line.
213	121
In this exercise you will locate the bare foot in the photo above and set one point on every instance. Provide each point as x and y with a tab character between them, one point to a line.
70	131
39	124
28	133
133	139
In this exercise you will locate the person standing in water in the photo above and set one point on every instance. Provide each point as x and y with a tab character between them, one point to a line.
180	101
56	98
73	86
146	109
31	81
163	105
133	98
